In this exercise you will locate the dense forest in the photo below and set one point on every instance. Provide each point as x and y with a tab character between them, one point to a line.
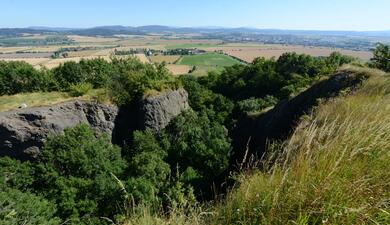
82	179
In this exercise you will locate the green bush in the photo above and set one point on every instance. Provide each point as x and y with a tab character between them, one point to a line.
75	171
256	104
17	77
133	79
381	59
197	148
80	89
18	207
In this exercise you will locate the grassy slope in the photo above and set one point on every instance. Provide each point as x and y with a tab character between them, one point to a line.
334	170
12	102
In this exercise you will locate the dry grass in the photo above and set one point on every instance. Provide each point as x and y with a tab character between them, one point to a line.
12	102
178	69
169	59
333	170
144	216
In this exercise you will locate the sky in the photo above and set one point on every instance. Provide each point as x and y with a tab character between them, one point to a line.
360	15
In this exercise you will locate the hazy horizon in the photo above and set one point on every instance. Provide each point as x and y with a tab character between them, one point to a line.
331	15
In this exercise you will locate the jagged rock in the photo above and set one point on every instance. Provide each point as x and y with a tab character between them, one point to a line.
153	112
23	132
158	111
251	135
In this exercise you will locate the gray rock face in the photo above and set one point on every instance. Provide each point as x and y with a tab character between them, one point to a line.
23	132
158	111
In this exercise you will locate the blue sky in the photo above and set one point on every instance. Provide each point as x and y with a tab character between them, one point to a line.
281	14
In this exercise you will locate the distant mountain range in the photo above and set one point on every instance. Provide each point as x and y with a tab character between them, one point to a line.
112	30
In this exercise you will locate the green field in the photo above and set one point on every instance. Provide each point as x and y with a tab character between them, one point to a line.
208	59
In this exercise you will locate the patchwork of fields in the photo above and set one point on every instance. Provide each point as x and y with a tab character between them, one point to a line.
219	54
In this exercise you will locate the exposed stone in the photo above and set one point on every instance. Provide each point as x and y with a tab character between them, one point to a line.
158	111
23	132
153	112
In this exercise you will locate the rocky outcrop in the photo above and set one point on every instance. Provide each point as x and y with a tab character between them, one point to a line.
157	111
153	112
23	132
251	135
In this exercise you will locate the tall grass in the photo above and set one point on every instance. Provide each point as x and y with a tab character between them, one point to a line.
335	168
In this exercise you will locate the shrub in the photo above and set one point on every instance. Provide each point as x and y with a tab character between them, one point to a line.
75	171
256	104
18	207
80	89
17	77
198	144
381	59
69	73
133	79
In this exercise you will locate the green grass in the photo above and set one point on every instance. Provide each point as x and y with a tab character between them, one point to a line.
208	59
12	102
207	62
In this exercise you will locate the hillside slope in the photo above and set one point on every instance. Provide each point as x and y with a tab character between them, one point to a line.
333	169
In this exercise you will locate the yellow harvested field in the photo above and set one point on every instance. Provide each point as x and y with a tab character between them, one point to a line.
12	49
88	39
248	52
82	53
55	62
169	59
142	58
178	69
33	61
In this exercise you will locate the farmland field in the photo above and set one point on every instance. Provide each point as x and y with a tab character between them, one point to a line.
208	59
217	56
178	69
169	59
248	52
192	45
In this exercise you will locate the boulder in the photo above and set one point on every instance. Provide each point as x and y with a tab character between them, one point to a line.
23	132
